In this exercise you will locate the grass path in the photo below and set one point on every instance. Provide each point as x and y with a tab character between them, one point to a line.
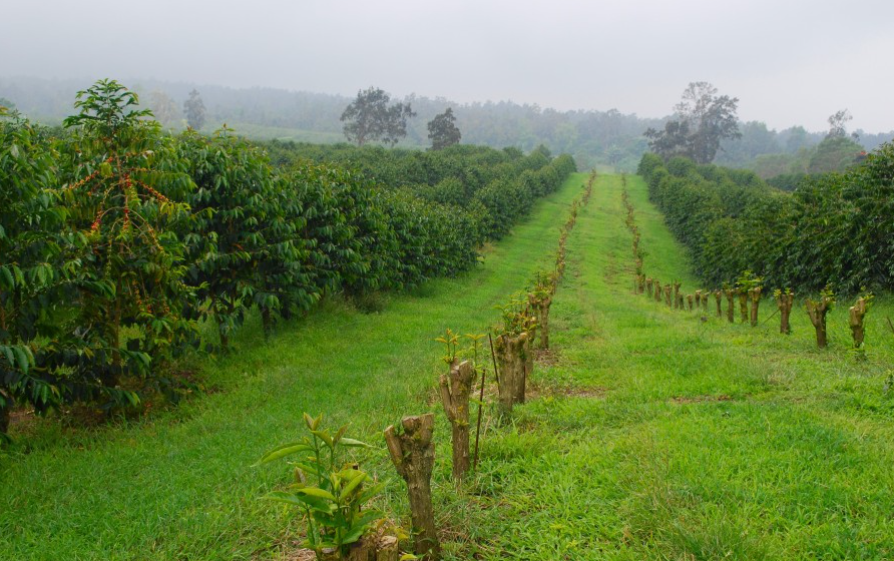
661	435
652	435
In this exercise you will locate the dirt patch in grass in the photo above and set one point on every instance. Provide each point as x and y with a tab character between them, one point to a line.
597	392
547	357
700	398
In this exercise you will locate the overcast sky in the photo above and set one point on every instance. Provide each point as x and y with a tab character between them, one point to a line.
788	61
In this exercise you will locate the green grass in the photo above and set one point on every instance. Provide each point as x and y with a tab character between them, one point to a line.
664	436
653	435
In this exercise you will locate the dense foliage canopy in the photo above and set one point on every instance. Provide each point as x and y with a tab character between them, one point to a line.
834	229
117	240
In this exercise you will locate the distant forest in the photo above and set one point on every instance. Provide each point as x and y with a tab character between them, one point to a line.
594	138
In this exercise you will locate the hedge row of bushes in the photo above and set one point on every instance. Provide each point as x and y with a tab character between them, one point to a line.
494	187
117	241
832	230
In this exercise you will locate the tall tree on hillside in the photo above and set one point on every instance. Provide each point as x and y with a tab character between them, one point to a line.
838	123
371	118
702	120
194	108
442	130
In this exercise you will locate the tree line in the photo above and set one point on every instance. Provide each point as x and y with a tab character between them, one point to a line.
834	230
119	241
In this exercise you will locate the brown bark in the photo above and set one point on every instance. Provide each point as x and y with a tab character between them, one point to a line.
658	290
817	312
784	302
755	295
649	287
511	385
857	312
667	295
4	419
730	305
642	284
689	301
413	455
677	294
718	298
698	298
680	305
743	304
455	391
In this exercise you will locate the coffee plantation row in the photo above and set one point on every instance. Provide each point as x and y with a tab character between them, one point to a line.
836	230
118	241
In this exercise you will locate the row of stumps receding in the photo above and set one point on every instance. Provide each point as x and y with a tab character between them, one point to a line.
748	293
411	444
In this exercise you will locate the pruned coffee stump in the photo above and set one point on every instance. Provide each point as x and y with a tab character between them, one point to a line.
754	295
784	302
512	354
455	391
413	455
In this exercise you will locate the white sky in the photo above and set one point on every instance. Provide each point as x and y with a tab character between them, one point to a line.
789	62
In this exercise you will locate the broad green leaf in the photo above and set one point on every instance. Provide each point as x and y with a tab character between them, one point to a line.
353	443
283	451
315	492
349	488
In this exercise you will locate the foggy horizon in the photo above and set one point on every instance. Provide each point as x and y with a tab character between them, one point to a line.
791	64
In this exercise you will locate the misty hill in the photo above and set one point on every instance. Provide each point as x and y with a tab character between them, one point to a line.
606	138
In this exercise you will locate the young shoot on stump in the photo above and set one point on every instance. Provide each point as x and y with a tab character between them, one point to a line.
856	315
413	455
784	302
817	311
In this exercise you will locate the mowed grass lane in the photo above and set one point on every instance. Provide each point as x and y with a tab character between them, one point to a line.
672	435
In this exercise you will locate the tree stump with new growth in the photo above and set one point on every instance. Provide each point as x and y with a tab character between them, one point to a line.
718	298
730	304
690	301
743	304
413	455
541	306
698	298
642	284
455	391
680	303
817	312
857	312
658	291
649	287
754	295
667	295
511	384
784	302
677	301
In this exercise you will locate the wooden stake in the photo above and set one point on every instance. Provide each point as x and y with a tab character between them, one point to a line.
480	405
